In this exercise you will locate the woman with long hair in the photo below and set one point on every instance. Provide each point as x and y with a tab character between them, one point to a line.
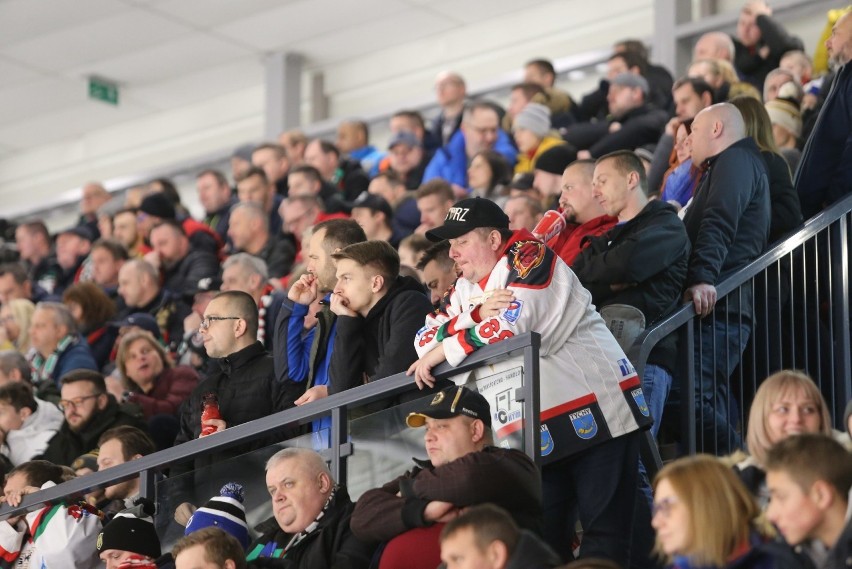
705	517
15	318
785	207
93	310
488	176
681	179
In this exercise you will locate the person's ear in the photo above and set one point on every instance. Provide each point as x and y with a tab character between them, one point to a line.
230	564
822	494
632	180
324	482
240	327
477	430
378	283
495	240
102	401
25	413
497	553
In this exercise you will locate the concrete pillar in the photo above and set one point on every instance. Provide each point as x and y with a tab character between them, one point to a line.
283	92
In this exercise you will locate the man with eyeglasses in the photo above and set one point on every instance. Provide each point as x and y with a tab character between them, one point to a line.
89	412
480	130
244	383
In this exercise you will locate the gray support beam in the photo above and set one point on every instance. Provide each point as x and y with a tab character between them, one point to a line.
664	43
283	92
319	102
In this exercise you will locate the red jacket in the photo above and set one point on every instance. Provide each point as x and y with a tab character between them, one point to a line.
170	390
569	243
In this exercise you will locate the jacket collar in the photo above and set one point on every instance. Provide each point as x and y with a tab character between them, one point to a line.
239	359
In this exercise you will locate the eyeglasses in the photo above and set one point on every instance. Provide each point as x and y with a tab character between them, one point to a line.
76	402
663	506
205	324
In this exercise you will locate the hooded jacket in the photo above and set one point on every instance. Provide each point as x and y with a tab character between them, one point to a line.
35	433
379	345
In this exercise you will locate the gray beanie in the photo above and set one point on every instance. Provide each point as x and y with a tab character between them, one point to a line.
632	80
535	118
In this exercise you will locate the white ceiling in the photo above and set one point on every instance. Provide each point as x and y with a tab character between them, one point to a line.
167	54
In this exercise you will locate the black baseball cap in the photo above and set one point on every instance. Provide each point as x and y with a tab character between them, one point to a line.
469	214
141	320
453	402
373	202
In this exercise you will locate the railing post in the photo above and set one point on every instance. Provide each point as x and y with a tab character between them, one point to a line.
687	388
148	484
840	301
339	436
532	406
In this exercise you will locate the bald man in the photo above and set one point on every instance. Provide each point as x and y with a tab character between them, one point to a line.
714	45
728	225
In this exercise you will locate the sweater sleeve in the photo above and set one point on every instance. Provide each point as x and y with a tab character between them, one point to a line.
381	514
298	345
406	317
346	367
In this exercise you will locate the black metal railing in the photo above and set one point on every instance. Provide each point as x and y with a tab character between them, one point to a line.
524	347
790	307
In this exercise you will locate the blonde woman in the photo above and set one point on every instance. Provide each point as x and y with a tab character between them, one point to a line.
15	318
786	403
704	517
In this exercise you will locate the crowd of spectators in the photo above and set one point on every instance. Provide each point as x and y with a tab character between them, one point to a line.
319	266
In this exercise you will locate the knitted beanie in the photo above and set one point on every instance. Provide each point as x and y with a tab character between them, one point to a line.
158	205
785	113
132	530
555	160
225	511
535	118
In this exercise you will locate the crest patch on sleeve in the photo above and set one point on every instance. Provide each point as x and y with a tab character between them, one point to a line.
526	256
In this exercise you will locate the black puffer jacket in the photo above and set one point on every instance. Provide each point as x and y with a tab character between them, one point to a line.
382	344
247	390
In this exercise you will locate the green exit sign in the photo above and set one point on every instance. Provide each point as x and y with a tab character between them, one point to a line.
103	90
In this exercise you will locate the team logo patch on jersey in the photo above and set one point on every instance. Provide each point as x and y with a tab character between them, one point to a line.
513	311
547	444
526	256
626	367
584	424
639	398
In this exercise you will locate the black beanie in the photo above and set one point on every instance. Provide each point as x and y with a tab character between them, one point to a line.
555	160
157	204
132	530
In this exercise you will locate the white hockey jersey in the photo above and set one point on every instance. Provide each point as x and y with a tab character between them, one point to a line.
589	391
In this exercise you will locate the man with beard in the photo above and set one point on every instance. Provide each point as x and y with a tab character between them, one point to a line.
583	213
89	412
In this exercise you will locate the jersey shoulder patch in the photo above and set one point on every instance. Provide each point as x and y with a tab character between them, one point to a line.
530	264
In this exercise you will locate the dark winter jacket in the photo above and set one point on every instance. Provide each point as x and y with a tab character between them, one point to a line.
504	477
279	254
66	445
825	171
748	61
784	202
382	343
185	274
330	546
650	253
642	125
728	221
532	553
246	390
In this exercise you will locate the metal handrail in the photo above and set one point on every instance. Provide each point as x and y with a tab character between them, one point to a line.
526	345
641	349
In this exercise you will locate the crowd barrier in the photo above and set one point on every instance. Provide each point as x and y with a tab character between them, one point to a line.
798	319
364	449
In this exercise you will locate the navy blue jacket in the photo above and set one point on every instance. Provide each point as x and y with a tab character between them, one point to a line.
825	171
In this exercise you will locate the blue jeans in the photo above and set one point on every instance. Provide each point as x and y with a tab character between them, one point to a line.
656	384
717	354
